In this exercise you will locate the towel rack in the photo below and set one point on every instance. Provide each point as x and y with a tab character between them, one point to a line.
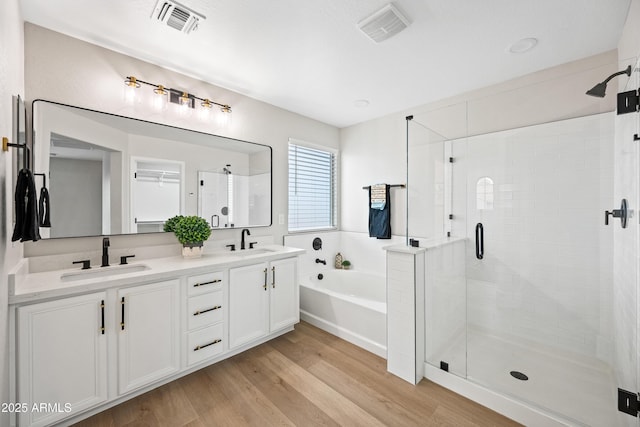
44	178
391	185
6	144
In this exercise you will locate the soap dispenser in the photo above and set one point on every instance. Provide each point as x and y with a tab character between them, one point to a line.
338	261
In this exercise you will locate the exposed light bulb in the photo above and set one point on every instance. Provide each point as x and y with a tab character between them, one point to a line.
184	107
160	98
224	117
205	111
130	90
184	99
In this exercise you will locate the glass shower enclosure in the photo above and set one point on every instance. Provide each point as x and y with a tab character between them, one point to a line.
542	304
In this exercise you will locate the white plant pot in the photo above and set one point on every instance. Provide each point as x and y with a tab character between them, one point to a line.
192	251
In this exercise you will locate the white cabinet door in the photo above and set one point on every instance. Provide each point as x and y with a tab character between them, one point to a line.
62	358
148	335
284	299
248	303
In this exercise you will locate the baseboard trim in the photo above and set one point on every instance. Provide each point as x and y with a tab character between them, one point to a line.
340	332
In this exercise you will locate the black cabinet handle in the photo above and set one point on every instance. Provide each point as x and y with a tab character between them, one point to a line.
200	347
207	283
273	277
122	318
479	241
265	280
199	312
102	313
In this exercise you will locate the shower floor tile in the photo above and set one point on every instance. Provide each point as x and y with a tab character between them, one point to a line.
580	389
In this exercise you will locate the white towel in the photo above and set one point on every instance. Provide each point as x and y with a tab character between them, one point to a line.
378	196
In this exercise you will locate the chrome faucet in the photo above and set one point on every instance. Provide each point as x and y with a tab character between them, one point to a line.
105	252
242	240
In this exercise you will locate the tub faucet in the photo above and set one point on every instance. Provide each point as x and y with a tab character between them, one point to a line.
105	252
242	240
321	261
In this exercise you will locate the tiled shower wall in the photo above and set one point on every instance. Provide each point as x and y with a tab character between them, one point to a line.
547	272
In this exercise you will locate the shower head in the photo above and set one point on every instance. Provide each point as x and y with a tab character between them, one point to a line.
600	89
227	170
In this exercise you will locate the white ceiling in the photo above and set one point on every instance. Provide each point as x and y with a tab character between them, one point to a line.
309	56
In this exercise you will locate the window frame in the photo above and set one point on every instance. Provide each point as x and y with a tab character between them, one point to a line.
334	192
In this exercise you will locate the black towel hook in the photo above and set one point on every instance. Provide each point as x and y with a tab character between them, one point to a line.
44	178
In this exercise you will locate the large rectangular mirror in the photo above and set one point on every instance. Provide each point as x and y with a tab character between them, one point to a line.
108	174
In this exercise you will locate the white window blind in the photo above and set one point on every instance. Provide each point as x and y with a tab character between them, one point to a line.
312	186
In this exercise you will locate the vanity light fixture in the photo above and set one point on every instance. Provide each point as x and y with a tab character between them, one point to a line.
131	84
160	100
185	100
205	111
160	90
180	97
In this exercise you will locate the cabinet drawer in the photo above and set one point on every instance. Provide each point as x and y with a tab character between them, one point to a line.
204	309
204	343
202	283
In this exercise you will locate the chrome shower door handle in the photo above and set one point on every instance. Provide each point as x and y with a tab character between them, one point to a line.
479	241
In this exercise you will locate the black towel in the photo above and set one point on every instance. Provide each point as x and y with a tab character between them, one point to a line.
380	219
26	208
45	208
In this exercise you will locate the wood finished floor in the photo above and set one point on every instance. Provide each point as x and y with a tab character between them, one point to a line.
304	378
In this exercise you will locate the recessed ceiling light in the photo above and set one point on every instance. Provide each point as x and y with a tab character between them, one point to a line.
523	45
361	103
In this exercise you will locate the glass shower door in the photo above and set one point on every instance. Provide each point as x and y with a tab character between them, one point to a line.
541	293
625	258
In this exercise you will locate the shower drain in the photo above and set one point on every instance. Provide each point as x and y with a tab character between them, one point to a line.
519	375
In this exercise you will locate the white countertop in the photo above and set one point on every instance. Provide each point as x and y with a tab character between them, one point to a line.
26	287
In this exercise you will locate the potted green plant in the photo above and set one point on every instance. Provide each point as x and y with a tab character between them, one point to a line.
170	224
346	264
191	231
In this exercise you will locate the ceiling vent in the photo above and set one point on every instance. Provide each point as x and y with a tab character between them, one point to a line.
176	16
383	24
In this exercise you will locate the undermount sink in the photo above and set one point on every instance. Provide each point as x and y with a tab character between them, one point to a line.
249	252
92	273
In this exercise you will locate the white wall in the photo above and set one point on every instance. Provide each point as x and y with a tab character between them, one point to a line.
11	83
67	70
374	151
